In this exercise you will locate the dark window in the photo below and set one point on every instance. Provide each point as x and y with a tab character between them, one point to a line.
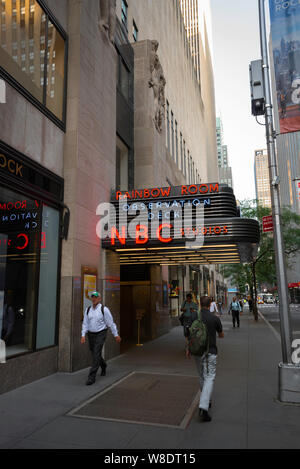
123	79
176	142
135	32
184	164
32	52
181	151
172	133
125	14
168	126
121	166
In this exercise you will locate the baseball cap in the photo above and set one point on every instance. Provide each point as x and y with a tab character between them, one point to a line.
95	294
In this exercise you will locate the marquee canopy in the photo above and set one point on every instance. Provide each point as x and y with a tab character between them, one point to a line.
171	232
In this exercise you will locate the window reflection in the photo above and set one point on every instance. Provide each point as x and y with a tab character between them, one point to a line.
19	254
26	35
55	71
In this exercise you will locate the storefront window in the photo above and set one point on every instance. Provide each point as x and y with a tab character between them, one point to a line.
32	52
29	244
47	305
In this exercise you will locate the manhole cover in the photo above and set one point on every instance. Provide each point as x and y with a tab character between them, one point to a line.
145	398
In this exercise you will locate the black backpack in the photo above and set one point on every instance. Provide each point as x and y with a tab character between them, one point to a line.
102	310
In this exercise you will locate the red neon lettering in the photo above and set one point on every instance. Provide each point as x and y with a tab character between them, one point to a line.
138	194
24	205
21	248
155	193
205	187
146	194
118	195
166	192
194	191
141	234
184	190
115	234
225	230
214	188
217	230
159	230
43	240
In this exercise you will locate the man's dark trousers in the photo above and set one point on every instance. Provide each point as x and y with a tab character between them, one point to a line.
236	318
96	341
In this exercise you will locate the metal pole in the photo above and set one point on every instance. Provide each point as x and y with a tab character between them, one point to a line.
284	310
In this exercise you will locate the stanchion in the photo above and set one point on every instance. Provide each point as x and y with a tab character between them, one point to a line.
139	316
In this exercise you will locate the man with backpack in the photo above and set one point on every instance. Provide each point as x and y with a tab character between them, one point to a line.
203	345
189	311
235	309
97	319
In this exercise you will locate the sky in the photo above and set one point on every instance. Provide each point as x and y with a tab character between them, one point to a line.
236	42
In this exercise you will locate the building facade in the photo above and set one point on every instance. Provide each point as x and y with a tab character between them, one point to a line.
98	98
225	171
262	178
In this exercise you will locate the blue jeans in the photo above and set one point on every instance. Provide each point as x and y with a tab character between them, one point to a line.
207	368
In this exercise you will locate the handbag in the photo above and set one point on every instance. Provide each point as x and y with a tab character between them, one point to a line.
181	317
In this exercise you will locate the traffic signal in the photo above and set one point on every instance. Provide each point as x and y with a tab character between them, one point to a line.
257	88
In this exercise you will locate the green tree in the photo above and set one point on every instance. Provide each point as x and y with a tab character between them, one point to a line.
263	269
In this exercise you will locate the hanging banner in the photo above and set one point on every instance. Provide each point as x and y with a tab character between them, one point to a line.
285	33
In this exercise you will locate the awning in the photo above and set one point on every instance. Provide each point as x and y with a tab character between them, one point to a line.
225	237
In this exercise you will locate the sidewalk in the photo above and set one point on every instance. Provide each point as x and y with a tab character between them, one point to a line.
245	414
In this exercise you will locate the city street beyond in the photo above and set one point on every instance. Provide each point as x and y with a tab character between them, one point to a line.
245	410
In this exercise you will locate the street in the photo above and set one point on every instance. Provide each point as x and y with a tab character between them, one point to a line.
271	314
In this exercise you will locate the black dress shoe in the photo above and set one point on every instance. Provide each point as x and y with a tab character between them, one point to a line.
204	416
90	381
103	372
210	404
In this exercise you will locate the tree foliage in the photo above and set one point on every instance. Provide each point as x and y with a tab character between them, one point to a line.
242	274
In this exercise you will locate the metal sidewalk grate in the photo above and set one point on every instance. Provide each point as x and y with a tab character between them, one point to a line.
145	398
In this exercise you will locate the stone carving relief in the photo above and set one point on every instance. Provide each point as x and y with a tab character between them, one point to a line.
108	19
157	82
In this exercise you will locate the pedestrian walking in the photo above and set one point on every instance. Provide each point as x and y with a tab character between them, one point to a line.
207	363
220	306
250	303
242	306
213	306
97	320
235	309
189	309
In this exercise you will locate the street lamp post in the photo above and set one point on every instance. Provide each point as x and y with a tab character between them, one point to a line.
286	334
289	374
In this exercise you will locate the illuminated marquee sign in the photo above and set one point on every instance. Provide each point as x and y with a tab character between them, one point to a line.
169	215
167	192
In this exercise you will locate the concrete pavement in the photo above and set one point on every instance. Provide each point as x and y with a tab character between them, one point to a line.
245	412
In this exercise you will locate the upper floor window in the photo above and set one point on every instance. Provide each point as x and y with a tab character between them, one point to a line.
135	32
168	125
125	14
123	78
38	63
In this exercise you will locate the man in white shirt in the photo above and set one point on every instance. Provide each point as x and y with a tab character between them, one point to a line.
97	320
213	306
